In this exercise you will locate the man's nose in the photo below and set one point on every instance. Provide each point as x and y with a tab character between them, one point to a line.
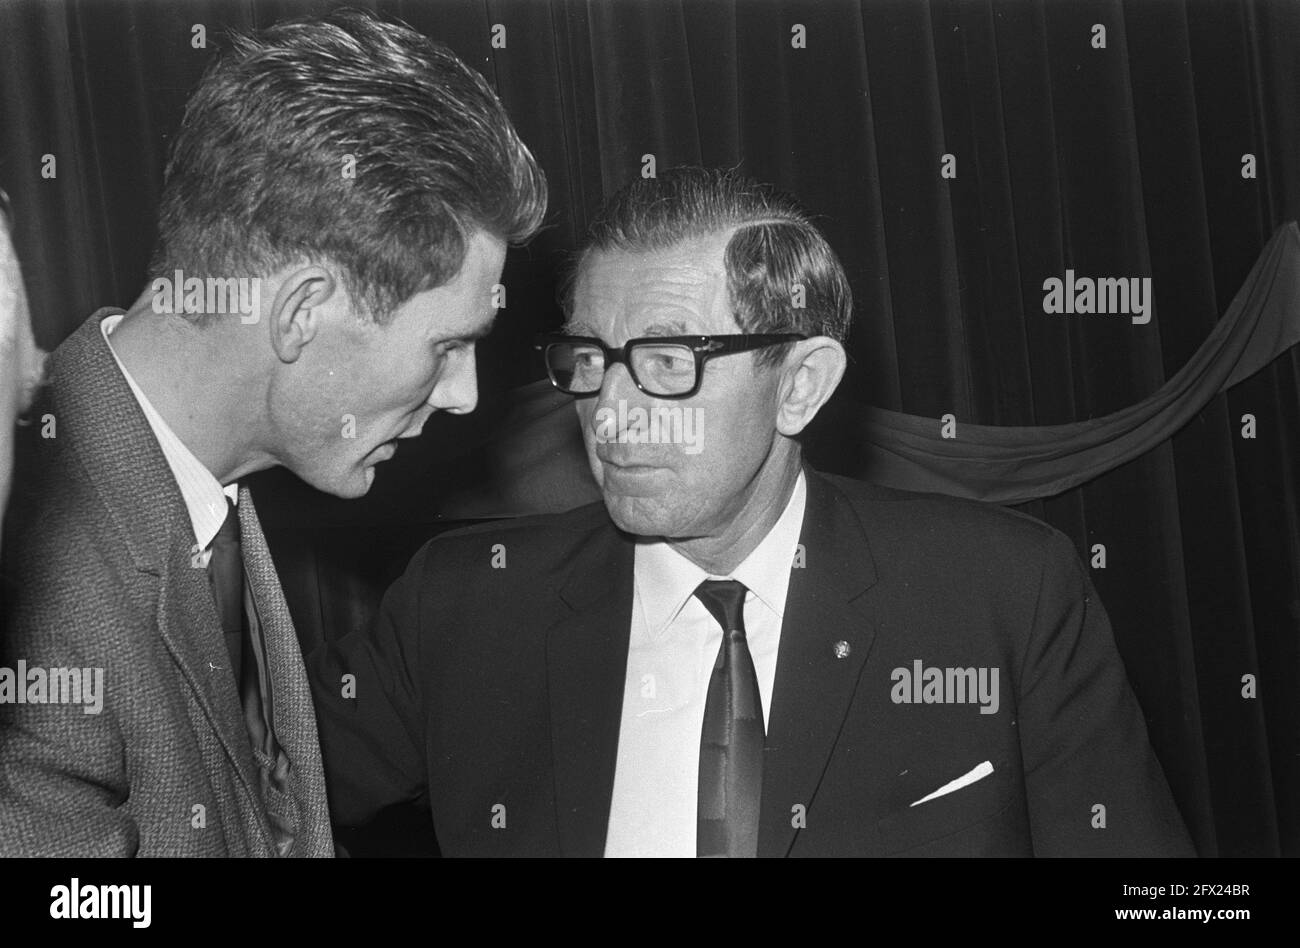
617	386
457	390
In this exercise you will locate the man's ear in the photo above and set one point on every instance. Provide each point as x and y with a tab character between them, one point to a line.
296	311
812	371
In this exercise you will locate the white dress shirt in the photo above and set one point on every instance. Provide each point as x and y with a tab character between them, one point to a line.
204	497
674	644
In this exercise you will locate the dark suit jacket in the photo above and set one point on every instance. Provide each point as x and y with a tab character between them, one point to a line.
99	573
493	686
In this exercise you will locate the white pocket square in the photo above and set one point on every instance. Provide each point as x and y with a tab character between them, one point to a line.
978	773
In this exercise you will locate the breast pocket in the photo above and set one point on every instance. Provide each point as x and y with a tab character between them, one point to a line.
943	818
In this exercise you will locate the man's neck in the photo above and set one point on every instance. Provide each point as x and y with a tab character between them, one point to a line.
719	556
194	386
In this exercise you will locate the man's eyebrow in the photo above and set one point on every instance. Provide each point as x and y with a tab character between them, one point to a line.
481	331
673	327
577	328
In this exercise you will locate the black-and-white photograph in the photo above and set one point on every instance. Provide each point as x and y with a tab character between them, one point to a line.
651	428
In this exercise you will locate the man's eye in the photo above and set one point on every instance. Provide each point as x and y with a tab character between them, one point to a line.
671	363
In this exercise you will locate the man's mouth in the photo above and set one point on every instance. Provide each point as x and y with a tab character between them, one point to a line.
623	461
629	475
384	451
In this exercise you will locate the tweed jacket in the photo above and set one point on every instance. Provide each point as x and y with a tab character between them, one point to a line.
102	572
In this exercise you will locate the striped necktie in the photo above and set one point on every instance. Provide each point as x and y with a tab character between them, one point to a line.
731	744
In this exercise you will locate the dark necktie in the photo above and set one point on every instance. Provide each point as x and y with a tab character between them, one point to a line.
238	617
226	571
731	745
243	634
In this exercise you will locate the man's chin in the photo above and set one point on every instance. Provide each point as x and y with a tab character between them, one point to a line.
352	481
642	516
368	475
349	485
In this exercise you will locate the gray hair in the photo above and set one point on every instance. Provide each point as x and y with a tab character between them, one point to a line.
776	260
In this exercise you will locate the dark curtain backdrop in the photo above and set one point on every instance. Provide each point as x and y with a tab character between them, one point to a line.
1123	161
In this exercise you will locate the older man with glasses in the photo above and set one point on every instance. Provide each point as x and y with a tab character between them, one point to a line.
708	662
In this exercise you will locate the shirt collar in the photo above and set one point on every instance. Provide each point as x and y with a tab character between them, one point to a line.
205	498
665	579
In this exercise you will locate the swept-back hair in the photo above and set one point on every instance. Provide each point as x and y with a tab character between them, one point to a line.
775	261
346	139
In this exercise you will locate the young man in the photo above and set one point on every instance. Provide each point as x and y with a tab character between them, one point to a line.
334	219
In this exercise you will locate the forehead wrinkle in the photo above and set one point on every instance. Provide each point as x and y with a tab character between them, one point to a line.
678	294
684	287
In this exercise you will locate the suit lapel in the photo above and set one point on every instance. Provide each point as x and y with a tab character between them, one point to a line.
826	635
190	629
586	665
294	714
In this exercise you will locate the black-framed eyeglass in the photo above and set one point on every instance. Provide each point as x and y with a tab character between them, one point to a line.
660	366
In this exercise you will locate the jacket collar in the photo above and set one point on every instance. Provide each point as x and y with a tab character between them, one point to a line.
118	452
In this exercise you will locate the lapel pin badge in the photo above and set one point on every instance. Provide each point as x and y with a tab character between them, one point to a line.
842	649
